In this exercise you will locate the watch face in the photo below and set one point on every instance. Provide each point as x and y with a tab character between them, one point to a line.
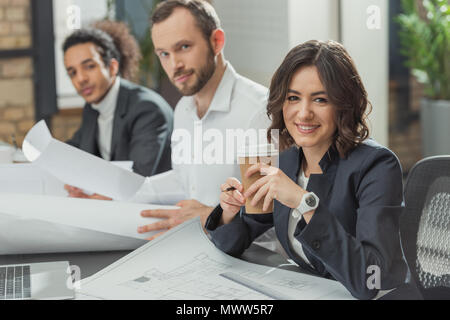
310	201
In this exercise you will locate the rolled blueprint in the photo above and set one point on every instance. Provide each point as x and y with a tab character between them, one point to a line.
79	168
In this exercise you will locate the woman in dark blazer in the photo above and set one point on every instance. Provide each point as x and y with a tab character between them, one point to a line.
337	194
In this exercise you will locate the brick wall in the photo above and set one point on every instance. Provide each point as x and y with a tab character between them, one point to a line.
16	83
65	123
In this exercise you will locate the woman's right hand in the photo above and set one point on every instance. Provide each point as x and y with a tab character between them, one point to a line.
74	192
231	201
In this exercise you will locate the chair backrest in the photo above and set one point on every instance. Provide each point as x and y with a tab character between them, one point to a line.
425	226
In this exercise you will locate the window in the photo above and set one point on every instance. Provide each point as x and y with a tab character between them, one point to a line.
68	15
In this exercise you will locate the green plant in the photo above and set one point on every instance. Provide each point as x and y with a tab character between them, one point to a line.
425	40
110	8
150	69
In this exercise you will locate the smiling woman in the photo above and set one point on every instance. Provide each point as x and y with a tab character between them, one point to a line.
337	195
336	77
309	117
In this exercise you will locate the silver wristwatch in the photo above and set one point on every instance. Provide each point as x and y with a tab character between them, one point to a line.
309	203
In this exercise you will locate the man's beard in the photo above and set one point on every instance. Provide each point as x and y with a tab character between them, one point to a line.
203	76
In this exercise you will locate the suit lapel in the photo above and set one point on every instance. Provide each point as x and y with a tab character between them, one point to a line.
89	143
119	114
320	184
290	165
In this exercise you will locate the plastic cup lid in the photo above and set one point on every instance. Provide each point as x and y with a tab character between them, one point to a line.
260	150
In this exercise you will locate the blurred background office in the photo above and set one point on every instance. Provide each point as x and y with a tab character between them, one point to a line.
34	84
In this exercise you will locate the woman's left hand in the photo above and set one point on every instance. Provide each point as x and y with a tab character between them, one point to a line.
274	185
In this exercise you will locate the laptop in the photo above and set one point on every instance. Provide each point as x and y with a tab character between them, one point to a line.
36	281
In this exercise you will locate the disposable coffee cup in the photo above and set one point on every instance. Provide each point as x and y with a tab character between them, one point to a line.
249	156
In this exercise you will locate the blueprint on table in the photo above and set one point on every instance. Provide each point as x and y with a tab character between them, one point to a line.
184	264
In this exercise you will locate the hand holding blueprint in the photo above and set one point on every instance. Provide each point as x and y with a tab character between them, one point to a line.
184	264
78	168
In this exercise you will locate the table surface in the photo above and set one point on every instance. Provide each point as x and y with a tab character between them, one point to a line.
92	262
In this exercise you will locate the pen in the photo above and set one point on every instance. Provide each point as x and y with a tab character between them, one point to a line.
229	189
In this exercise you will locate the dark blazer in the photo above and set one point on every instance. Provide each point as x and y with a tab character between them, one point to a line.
143	124
355	226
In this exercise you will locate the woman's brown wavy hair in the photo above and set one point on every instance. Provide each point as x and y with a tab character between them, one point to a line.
342	83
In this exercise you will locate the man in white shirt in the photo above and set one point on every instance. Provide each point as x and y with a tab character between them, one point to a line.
218	107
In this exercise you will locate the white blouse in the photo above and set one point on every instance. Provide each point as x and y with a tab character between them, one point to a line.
269	239
294	217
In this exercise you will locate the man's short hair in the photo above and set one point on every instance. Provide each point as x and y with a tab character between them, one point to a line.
103	41
203	12
113	40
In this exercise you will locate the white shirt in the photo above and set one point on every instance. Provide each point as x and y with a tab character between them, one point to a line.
198	172
106	109
269	239
294	218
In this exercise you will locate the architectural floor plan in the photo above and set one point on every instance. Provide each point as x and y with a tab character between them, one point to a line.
184	264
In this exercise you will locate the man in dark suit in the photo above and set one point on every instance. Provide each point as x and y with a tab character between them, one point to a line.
121	120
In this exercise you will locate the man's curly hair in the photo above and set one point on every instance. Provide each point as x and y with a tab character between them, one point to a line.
126	44
113	41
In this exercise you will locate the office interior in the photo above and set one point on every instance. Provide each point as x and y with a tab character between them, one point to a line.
34	85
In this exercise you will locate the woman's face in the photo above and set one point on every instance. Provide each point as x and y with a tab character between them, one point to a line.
307	112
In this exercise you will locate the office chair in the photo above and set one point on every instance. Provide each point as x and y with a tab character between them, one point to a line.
425	226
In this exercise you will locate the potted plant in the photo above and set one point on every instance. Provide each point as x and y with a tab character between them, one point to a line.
136	14
425	41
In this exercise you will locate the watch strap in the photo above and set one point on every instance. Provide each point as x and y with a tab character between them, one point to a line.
309	202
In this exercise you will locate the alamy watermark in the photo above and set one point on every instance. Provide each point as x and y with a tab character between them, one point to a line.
73	21
74	279
214	146
373	21
374	279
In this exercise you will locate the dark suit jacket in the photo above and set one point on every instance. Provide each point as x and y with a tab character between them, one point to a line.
355	226
143	124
